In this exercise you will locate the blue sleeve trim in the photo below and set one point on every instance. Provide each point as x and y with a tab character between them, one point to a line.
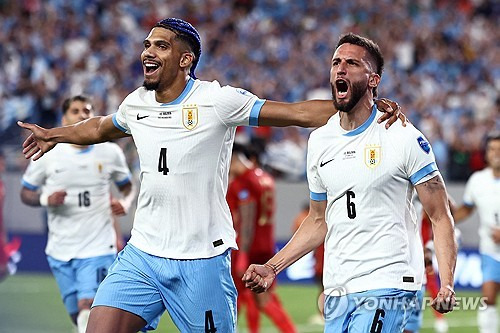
123	182
255	112
469	204
118	125
28	185
318	196
431	167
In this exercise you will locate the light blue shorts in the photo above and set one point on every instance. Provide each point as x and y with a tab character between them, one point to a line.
376	311
416	314
490	268
199	294
79	278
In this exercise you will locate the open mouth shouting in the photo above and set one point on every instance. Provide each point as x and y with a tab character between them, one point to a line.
150	67
341	88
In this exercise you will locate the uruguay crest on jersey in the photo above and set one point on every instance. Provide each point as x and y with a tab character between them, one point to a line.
190	116
372	155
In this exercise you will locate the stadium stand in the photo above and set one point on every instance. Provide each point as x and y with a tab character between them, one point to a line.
442	59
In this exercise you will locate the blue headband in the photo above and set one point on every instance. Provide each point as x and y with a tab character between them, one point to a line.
186	30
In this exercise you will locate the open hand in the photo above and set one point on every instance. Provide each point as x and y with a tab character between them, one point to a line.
392	112
37	143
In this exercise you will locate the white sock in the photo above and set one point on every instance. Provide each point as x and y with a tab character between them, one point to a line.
488	319
82	320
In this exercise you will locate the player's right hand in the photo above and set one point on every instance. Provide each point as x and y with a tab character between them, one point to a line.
37	143
57	198
259	278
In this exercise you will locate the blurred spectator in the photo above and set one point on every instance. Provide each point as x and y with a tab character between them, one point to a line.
442	57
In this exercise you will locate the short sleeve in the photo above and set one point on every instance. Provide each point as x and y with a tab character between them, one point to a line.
317	190
120	172
419	157
469	192
35	175
120	119
236	106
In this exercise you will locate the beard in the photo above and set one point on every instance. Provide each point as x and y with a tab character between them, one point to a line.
151	85
358	89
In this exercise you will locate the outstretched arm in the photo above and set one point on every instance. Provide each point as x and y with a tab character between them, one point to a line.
90	131
309	236
434	199
316	113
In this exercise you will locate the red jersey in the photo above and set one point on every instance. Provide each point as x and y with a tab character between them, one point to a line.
257	186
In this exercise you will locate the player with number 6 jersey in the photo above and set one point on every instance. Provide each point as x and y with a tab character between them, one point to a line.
362	178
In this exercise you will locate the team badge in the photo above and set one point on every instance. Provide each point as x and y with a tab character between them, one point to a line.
99	167
372	155
190	116
424	144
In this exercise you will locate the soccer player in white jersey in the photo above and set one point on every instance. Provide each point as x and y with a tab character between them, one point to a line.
178	257
73	182
361	179
483	192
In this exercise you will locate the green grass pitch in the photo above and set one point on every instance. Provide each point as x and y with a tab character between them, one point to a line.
31	303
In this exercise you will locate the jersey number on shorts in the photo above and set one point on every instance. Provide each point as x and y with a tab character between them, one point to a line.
84	199
377	322
351	207
162	162
209	322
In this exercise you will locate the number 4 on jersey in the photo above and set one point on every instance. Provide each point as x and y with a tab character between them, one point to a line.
209	322
162	162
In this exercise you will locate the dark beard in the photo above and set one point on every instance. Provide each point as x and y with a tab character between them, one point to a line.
357	91
150	85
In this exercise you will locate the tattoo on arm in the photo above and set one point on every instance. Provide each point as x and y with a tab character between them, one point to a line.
434	184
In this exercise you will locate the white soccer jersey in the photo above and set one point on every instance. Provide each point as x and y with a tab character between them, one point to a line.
81	227
184	150
483	191
368	177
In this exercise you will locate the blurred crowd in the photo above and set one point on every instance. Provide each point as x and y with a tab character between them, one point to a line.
442	62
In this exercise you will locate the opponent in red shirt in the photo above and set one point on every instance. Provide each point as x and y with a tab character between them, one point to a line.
250	197
3	237
9	252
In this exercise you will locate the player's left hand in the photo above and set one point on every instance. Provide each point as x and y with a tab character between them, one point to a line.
392	112
259	278
117	208
495	234
445	300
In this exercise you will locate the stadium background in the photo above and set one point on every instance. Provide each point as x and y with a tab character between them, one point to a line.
442	66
